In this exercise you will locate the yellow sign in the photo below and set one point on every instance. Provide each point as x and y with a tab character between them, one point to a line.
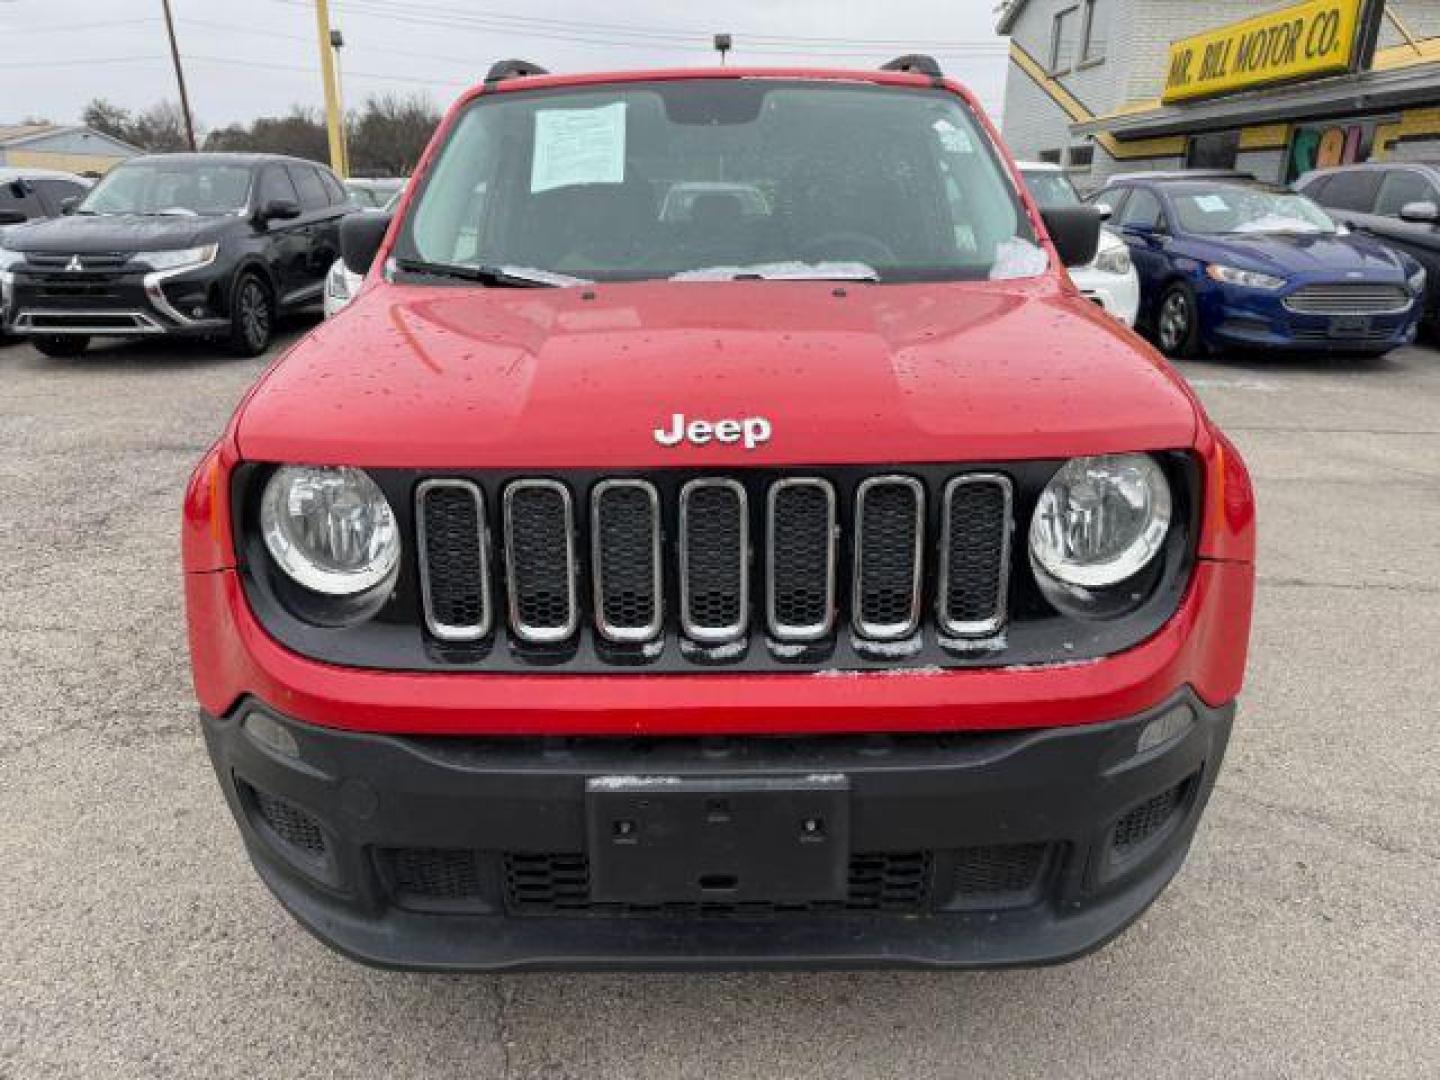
1306	41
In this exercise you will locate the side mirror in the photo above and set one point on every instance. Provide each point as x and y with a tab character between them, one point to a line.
360	238
67	206
1420	213
1075	231
13	217
278	210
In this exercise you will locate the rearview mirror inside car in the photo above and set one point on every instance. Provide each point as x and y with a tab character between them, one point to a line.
279	210
1420	213
360	238
1075	231
67	206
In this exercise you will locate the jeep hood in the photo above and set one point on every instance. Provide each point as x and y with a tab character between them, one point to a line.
85	234
443	377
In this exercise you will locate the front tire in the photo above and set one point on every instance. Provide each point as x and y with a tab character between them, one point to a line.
61	346
1177	323
252	317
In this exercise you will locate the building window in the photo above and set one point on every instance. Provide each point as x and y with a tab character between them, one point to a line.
1065	36
1050	157
1082	157
1214	150
1097	31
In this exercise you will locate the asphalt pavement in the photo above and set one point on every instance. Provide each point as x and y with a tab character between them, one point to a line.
1301	940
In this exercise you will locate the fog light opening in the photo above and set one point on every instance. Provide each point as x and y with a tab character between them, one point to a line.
1167	728
271	735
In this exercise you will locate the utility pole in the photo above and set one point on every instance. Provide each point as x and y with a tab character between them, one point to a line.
334	116
180	77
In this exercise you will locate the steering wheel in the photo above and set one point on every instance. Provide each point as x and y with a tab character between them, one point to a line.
849	247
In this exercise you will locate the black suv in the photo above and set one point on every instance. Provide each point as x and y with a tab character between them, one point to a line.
207	245
1398	203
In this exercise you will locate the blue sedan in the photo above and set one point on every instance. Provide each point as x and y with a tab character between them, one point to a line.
1235	264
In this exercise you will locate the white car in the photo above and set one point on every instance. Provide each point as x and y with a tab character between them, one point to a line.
1110	279
340	284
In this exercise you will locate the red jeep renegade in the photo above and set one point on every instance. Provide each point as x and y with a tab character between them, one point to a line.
718	534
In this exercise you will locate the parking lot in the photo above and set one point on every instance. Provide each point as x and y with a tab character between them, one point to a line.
1302	939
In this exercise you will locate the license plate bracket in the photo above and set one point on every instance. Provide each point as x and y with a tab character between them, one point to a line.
1349	326
666	840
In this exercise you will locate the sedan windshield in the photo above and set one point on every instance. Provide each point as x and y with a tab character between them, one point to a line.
170	187
1233	209
719	179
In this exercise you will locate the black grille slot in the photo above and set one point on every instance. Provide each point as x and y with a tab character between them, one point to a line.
540	556
1145	821
975	555
801	545
287	821
998	869
435	873
559	884
454	565
625	548
889	531
714	538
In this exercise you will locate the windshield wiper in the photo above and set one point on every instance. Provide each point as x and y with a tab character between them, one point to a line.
511	277
783	271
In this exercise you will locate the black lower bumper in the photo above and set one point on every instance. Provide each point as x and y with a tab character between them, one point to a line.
972	850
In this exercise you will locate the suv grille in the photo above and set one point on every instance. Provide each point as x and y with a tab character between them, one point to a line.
1358	299
629	566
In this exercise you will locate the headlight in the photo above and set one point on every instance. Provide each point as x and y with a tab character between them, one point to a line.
1100	521
1114	261
178	259
336	284
1416	280
1246	279
329	529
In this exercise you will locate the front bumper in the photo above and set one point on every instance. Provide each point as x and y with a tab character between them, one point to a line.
964	850
1243	319
115	304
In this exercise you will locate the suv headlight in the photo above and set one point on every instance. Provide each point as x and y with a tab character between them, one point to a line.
1114	260
331	530
179	259
1100	522
1246	279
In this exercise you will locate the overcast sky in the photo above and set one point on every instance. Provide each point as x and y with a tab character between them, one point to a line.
246	58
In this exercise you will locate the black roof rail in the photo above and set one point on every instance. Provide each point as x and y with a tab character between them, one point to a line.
513	69
915	64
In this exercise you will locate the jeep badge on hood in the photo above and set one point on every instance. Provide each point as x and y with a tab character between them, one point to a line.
753	431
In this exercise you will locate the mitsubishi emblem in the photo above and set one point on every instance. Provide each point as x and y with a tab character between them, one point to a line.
74	265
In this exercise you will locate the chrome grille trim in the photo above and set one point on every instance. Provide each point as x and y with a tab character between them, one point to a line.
446	631
975	628
714	635
894	631
609	630
800	633
1349	299
541	635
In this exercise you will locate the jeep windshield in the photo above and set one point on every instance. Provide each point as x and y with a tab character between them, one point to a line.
718	179
159	187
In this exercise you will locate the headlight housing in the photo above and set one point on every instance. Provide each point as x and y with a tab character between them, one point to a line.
1246	279
180	258
1100	522
330	530
1114	260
